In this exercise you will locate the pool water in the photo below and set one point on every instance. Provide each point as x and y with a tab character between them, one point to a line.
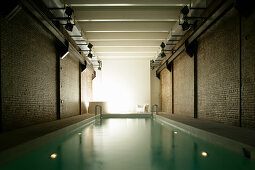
130	144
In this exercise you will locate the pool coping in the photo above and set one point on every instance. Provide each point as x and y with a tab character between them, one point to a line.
227	143
24	148
133	115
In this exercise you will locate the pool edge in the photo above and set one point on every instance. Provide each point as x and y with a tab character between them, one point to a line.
8	155
222	141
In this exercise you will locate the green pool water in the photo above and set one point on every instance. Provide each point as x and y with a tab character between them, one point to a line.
130	144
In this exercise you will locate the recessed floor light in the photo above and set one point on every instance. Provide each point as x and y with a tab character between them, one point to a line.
204	154
53	156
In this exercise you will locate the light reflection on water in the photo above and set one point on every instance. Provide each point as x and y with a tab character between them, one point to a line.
130	144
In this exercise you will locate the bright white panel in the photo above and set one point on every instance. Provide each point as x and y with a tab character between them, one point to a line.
125	84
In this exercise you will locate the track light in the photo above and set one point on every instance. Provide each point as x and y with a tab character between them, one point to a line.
162	54
185	25
69	26
185	10
90	55
69	11
90	45
162	45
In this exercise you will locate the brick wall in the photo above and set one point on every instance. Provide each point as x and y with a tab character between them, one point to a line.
166	91
86	90
28	72
69	87
248	71
225	73
218	71
184	85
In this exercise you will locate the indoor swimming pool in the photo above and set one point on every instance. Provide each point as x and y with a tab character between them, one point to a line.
129	144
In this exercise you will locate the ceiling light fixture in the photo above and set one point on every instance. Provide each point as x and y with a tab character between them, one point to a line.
162	55
185	25
69	11
185	10
69	26
90	55
90	45
162	45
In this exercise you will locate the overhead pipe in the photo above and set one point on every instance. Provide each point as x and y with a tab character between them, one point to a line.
221	10
41	16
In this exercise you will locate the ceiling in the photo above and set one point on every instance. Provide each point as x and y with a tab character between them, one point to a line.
127	28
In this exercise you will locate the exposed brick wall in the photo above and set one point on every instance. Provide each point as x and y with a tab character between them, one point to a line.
86	90
248	71
69	87
28	69
184	85
166	91
218	71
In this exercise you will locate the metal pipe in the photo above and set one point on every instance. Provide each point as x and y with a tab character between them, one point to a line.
41	16
100	109
152	109
198	32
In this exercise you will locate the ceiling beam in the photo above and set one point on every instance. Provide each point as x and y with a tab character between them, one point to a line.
126	43
118	35
128	15
126	26
126	54
127	2
127	49
128	20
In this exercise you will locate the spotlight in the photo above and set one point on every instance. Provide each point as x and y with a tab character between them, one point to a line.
185	26
69	11
204	154
163	54
69	26
163	45
90	45
90	55
185	10
53	156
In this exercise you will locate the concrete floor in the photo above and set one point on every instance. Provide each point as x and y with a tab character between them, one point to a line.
243	135
19	136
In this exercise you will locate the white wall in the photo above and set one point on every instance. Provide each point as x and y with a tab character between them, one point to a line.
124	83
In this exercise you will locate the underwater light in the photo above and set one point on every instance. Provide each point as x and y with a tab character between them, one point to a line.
204	154
53	156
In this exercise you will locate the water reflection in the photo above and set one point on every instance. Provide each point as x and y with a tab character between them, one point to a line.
130	144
